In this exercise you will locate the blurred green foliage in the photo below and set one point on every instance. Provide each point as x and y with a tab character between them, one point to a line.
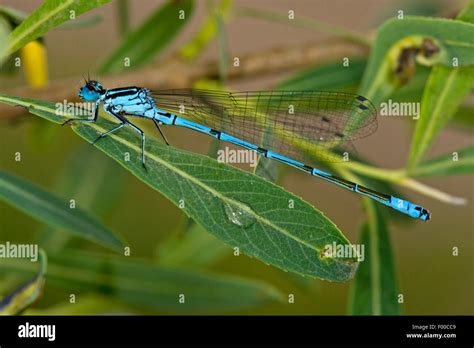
183	262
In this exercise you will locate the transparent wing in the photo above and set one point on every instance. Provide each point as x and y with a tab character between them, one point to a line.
301	125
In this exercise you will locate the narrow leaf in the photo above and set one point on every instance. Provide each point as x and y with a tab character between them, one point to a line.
4	32
375	287
26	294
445	90
148	286
458	162
54	211
143	44
47	16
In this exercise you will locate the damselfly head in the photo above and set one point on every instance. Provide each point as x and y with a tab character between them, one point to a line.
91	91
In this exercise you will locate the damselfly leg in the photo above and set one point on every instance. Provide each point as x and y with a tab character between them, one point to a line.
159	130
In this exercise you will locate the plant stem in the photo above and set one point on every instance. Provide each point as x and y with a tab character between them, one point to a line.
390	175
307	23
123	17
398	177
432	192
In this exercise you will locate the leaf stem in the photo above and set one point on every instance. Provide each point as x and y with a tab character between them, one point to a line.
307	23
399	177
123	17
390	175
432	192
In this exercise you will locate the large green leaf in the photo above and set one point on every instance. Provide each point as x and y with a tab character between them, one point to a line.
48	15
445	90
239	208
452	164
454	38
375	287
147	285
54	211
143	44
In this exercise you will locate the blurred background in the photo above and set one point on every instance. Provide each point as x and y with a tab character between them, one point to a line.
430	278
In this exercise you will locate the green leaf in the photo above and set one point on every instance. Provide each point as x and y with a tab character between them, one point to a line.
328	77
459	162
375	287
143	44
445	90
149	286
443	94
46	110
123	15
97	189
239	208
27	293
47	16
4	32
467	14
454	38
195	249
88	305
54	211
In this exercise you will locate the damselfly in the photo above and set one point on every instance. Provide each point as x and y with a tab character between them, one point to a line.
285	126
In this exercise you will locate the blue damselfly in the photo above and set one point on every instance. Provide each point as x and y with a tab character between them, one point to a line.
286	126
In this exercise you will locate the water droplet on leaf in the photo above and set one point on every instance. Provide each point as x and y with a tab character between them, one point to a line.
239	216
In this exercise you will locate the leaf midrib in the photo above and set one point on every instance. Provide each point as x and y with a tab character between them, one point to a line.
436	115
207	188
35	25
